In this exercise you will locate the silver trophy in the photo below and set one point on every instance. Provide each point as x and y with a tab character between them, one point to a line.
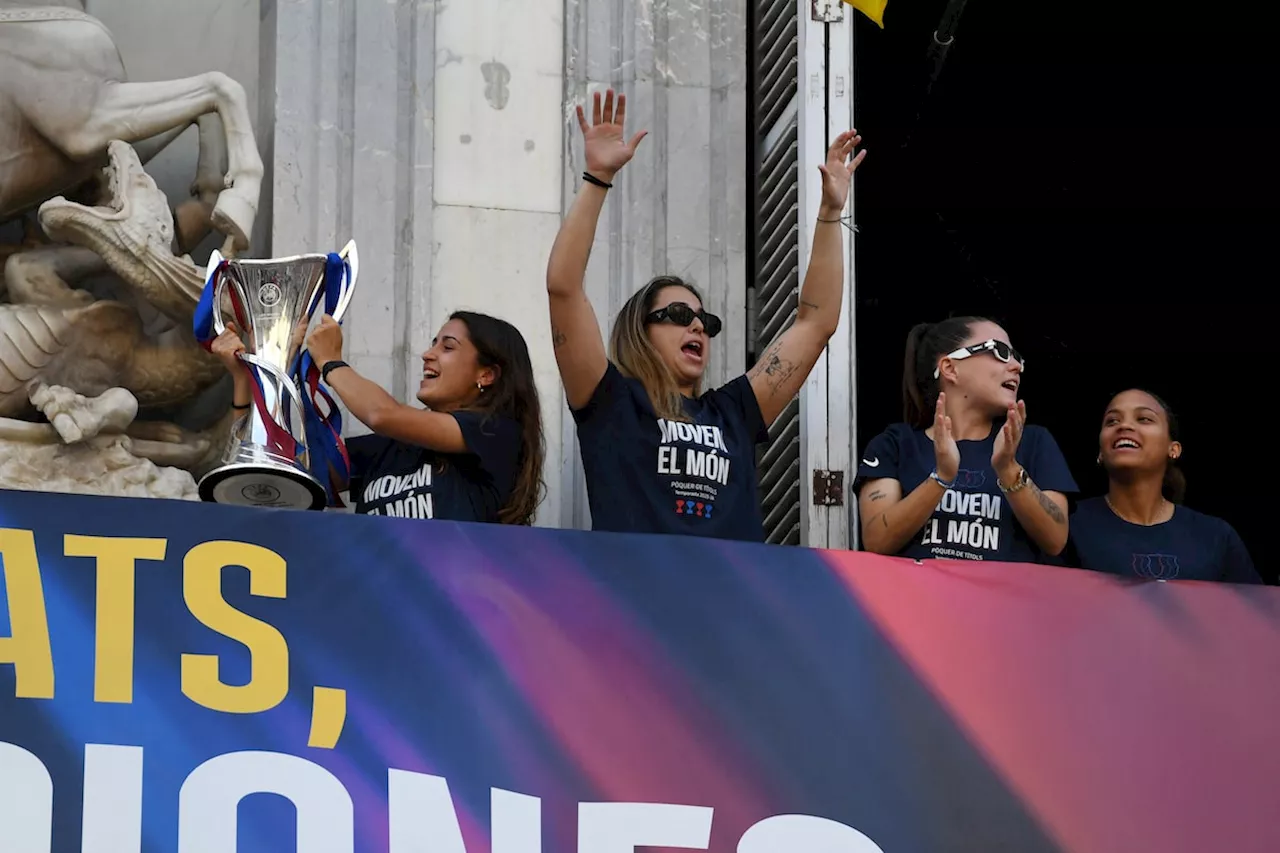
275	301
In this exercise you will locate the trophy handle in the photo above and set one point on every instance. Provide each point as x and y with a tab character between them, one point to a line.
211	270
219	291
351	259
283	382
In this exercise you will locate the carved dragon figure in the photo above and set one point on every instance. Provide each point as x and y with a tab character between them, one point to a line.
68	356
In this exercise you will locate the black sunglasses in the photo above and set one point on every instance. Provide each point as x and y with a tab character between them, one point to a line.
999	349
679	314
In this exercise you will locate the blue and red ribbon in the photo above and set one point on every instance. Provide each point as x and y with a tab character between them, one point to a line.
330	463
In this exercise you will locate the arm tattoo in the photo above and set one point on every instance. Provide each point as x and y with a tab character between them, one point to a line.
877	495
774	366
884	517
1047	504
557	337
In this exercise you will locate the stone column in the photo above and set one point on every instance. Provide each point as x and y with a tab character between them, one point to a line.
680	206
498	137
352	150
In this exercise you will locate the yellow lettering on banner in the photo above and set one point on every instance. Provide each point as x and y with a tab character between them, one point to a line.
28	647
113	622
328	714
269	665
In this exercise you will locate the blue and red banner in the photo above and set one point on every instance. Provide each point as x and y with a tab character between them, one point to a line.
202	679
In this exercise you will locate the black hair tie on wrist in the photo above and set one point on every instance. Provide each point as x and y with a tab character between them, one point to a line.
240	408
592	179
329	367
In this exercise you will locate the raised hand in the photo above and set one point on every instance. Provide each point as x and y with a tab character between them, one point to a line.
1003	456
838	171
607	150
227	347
946	452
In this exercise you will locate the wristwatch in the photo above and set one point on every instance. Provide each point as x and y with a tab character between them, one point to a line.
1020	483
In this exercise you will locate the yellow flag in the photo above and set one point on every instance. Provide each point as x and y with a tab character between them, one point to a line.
873	9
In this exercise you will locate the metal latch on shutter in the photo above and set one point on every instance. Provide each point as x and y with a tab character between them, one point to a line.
828	11
828	488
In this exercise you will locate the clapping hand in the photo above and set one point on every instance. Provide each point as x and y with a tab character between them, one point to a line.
945	450
1003	456
607	150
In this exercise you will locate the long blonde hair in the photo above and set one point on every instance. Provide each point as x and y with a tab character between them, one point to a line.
634	354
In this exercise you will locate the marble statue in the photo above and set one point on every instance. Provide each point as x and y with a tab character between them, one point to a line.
76	367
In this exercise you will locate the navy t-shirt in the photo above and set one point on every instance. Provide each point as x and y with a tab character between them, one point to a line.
649	475
1189	546
394	478
973	520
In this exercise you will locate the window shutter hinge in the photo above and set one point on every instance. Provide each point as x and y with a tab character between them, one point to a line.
828	488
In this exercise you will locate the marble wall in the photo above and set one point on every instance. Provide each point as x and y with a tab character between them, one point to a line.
440	136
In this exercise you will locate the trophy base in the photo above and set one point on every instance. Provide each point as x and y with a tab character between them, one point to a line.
258	485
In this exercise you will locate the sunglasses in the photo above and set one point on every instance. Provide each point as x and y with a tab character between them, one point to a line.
999	349
679	314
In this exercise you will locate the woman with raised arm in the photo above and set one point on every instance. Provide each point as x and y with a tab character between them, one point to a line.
964	477
1138	528
473	454
661	455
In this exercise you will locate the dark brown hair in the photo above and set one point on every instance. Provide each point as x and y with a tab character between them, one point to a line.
926	343
514	395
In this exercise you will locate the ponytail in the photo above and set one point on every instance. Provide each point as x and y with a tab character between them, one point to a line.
913	398
926	343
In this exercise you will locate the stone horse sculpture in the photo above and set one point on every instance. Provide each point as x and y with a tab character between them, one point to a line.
68	119
64	98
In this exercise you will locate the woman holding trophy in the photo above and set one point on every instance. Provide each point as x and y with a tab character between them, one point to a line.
473	454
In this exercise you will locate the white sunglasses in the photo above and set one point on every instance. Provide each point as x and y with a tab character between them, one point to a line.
999	349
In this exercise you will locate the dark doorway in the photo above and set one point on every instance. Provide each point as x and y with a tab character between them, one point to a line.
1104	180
